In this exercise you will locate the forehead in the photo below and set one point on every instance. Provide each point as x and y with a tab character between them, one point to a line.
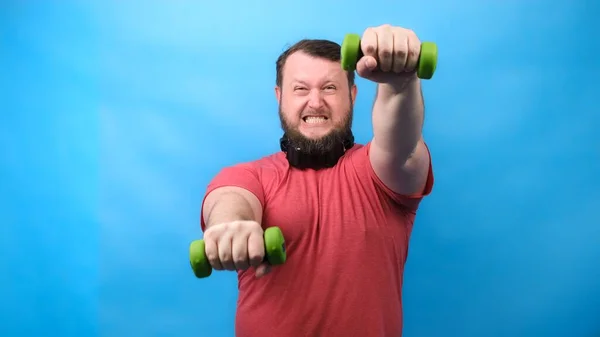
306	68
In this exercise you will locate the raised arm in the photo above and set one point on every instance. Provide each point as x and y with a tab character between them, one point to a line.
398	153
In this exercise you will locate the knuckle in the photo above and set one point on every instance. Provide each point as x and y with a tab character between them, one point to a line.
211	254
400	53
252	226
240	258
255	259
404	31
213	259
241	265
225	256
255	255
241	226
232	226
370	48
413	36
386	53
215	231
209	234
412	52
399	31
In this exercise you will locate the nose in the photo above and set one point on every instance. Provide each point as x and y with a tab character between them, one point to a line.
315	99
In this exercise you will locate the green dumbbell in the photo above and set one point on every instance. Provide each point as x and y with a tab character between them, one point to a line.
275	253
351	53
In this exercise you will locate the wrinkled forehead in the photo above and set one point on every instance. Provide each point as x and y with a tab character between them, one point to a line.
301	67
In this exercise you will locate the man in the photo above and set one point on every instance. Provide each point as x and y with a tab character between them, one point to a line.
346	210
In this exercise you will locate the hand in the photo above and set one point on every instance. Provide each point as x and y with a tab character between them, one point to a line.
236	245
391	55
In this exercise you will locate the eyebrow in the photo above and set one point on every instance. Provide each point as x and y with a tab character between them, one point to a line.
294	80
327	80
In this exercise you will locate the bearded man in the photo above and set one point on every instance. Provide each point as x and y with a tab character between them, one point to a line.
346	210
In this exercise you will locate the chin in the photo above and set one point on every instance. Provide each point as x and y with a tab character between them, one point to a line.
315	134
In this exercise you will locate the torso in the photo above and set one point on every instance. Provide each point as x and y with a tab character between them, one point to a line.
347	242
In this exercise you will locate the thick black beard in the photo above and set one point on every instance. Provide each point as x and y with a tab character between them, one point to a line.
305	153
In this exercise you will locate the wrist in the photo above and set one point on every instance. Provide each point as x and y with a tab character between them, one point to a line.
402	87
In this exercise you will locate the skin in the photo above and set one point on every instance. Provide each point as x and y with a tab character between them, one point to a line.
314	87
318	87
398	153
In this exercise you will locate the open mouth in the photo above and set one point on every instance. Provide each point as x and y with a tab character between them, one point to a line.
315	119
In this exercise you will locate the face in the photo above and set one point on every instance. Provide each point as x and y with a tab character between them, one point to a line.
315	102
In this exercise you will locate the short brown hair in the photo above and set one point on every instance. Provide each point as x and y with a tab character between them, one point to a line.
325	49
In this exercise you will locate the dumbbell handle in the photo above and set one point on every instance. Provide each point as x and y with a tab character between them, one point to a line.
351	52
275	252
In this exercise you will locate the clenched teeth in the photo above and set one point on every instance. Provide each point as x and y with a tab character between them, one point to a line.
315	119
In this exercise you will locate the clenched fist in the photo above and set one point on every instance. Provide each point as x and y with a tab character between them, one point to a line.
391	55
236	245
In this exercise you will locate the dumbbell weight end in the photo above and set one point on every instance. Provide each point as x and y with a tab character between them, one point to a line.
275	252
351	52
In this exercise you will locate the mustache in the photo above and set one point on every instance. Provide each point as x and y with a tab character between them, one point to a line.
319	112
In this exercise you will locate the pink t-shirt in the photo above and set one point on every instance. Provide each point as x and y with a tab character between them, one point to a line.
347	240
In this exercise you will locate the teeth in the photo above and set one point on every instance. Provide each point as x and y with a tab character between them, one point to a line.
315	120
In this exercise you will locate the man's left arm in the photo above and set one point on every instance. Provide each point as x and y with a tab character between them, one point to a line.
397	152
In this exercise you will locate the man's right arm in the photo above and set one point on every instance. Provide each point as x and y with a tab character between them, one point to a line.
231	203
231	218
235	194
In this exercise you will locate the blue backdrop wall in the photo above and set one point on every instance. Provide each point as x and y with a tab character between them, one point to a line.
115	116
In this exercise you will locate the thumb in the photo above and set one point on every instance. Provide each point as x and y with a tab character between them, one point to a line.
262	270
366	66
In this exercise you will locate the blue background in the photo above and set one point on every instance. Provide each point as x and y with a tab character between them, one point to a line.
114	117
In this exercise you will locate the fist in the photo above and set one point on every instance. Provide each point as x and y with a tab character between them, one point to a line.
391	54
236	245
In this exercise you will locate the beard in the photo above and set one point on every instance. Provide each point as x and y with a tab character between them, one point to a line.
318	147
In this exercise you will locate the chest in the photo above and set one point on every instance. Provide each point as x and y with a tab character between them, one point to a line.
333	212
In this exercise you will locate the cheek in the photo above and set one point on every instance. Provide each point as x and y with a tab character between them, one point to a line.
340	110
290	117
291	109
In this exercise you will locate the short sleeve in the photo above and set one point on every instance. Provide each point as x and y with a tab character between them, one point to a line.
361	160
243	175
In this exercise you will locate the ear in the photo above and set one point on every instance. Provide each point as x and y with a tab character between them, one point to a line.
353	92
278	94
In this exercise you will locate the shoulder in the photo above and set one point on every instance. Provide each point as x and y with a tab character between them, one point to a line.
358	170
254	176
271	161
269	164
263	170
357	156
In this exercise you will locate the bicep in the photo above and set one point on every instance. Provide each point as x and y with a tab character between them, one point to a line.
406	177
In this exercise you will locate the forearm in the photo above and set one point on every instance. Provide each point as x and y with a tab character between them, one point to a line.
398	120
229	204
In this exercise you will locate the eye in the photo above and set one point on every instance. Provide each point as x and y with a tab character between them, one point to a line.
299	89
330	88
